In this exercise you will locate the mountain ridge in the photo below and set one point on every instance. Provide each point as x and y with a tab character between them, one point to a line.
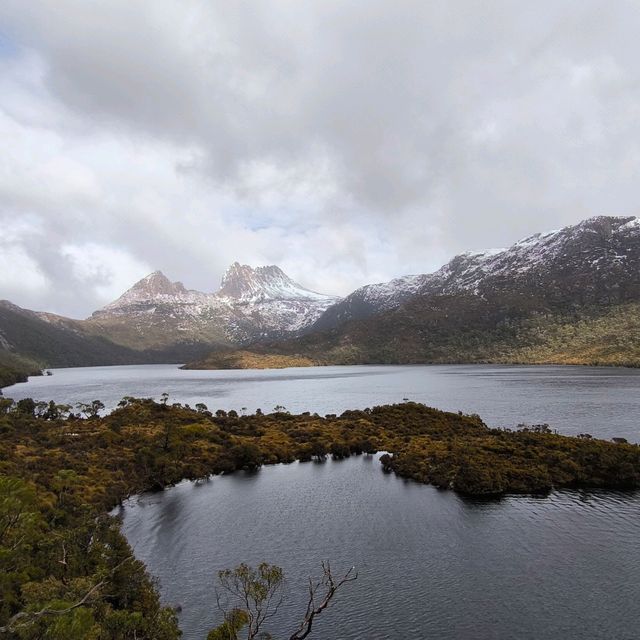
157	320
250	304
465	272
535	301
506	305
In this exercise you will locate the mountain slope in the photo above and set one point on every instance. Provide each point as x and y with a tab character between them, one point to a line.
156	313
565	296
159	321
15	369
370	300
251	304
54	341
589	263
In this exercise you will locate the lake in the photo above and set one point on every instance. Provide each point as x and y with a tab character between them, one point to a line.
431	564
603	401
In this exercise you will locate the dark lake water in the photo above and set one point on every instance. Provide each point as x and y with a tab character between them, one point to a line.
431	564
602	401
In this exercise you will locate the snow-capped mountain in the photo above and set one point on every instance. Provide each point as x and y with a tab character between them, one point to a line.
601	255
251	304
596	261
570	296
246	284
371	299
152	292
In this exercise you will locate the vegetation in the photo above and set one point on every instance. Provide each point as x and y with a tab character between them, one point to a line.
251	360
48	340
256	596
158	335
66	572
15	369
458	329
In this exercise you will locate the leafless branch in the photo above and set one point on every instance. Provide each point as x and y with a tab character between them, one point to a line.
329	586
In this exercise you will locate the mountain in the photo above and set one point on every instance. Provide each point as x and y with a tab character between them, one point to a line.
157	321
251	304
571	295
30	341
591	262
370	300
156	313
14	368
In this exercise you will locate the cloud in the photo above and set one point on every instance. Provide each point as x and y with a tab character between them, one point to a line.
106	269
348	143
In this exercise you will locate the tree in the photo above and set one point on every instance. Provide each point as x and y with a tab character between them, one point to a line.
234	621
90	410
320	595
257	595
26	406
259	592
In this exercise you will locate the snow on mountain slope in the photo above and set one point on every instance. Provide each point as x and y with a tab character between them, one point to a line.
371	299
597	259
598	250
153	290
246	284
251	304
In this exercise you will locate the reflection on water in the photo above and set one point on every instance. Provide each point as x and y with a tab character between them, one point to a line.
602	401
431	564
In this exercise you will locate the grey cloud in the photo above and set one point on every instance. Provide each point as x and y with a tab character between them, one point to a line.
348	141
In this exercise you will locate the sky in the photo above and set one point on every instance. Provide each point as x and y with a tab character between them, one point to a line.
348	142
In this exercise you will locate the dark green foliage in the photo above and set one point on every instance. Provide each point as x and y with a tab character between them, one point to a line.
16	369
464	329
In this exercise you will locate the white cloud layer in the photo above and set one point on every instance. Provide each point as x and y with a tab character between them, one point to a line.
347	142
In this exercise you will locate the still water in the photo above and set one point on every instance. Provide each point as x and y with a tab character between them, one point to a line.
602	401
431	564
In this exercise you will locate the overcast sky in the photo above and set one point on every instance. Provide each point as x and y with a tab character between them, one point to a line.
348	142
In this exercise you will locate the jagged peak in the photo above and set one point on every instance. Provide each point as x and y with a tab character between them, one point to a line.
158	283
152	287
155	274
237	271
270	282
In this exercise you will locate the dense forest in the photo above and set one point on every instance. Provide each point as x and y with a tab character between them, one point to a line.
66	572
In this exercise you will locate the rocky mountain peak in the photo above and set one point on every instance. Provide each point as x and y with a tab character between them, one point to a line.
157	283
245	283
152	289
252	303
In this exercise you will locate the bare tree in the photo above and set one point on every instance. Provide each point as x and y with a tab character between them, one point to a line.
320	595
257	595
